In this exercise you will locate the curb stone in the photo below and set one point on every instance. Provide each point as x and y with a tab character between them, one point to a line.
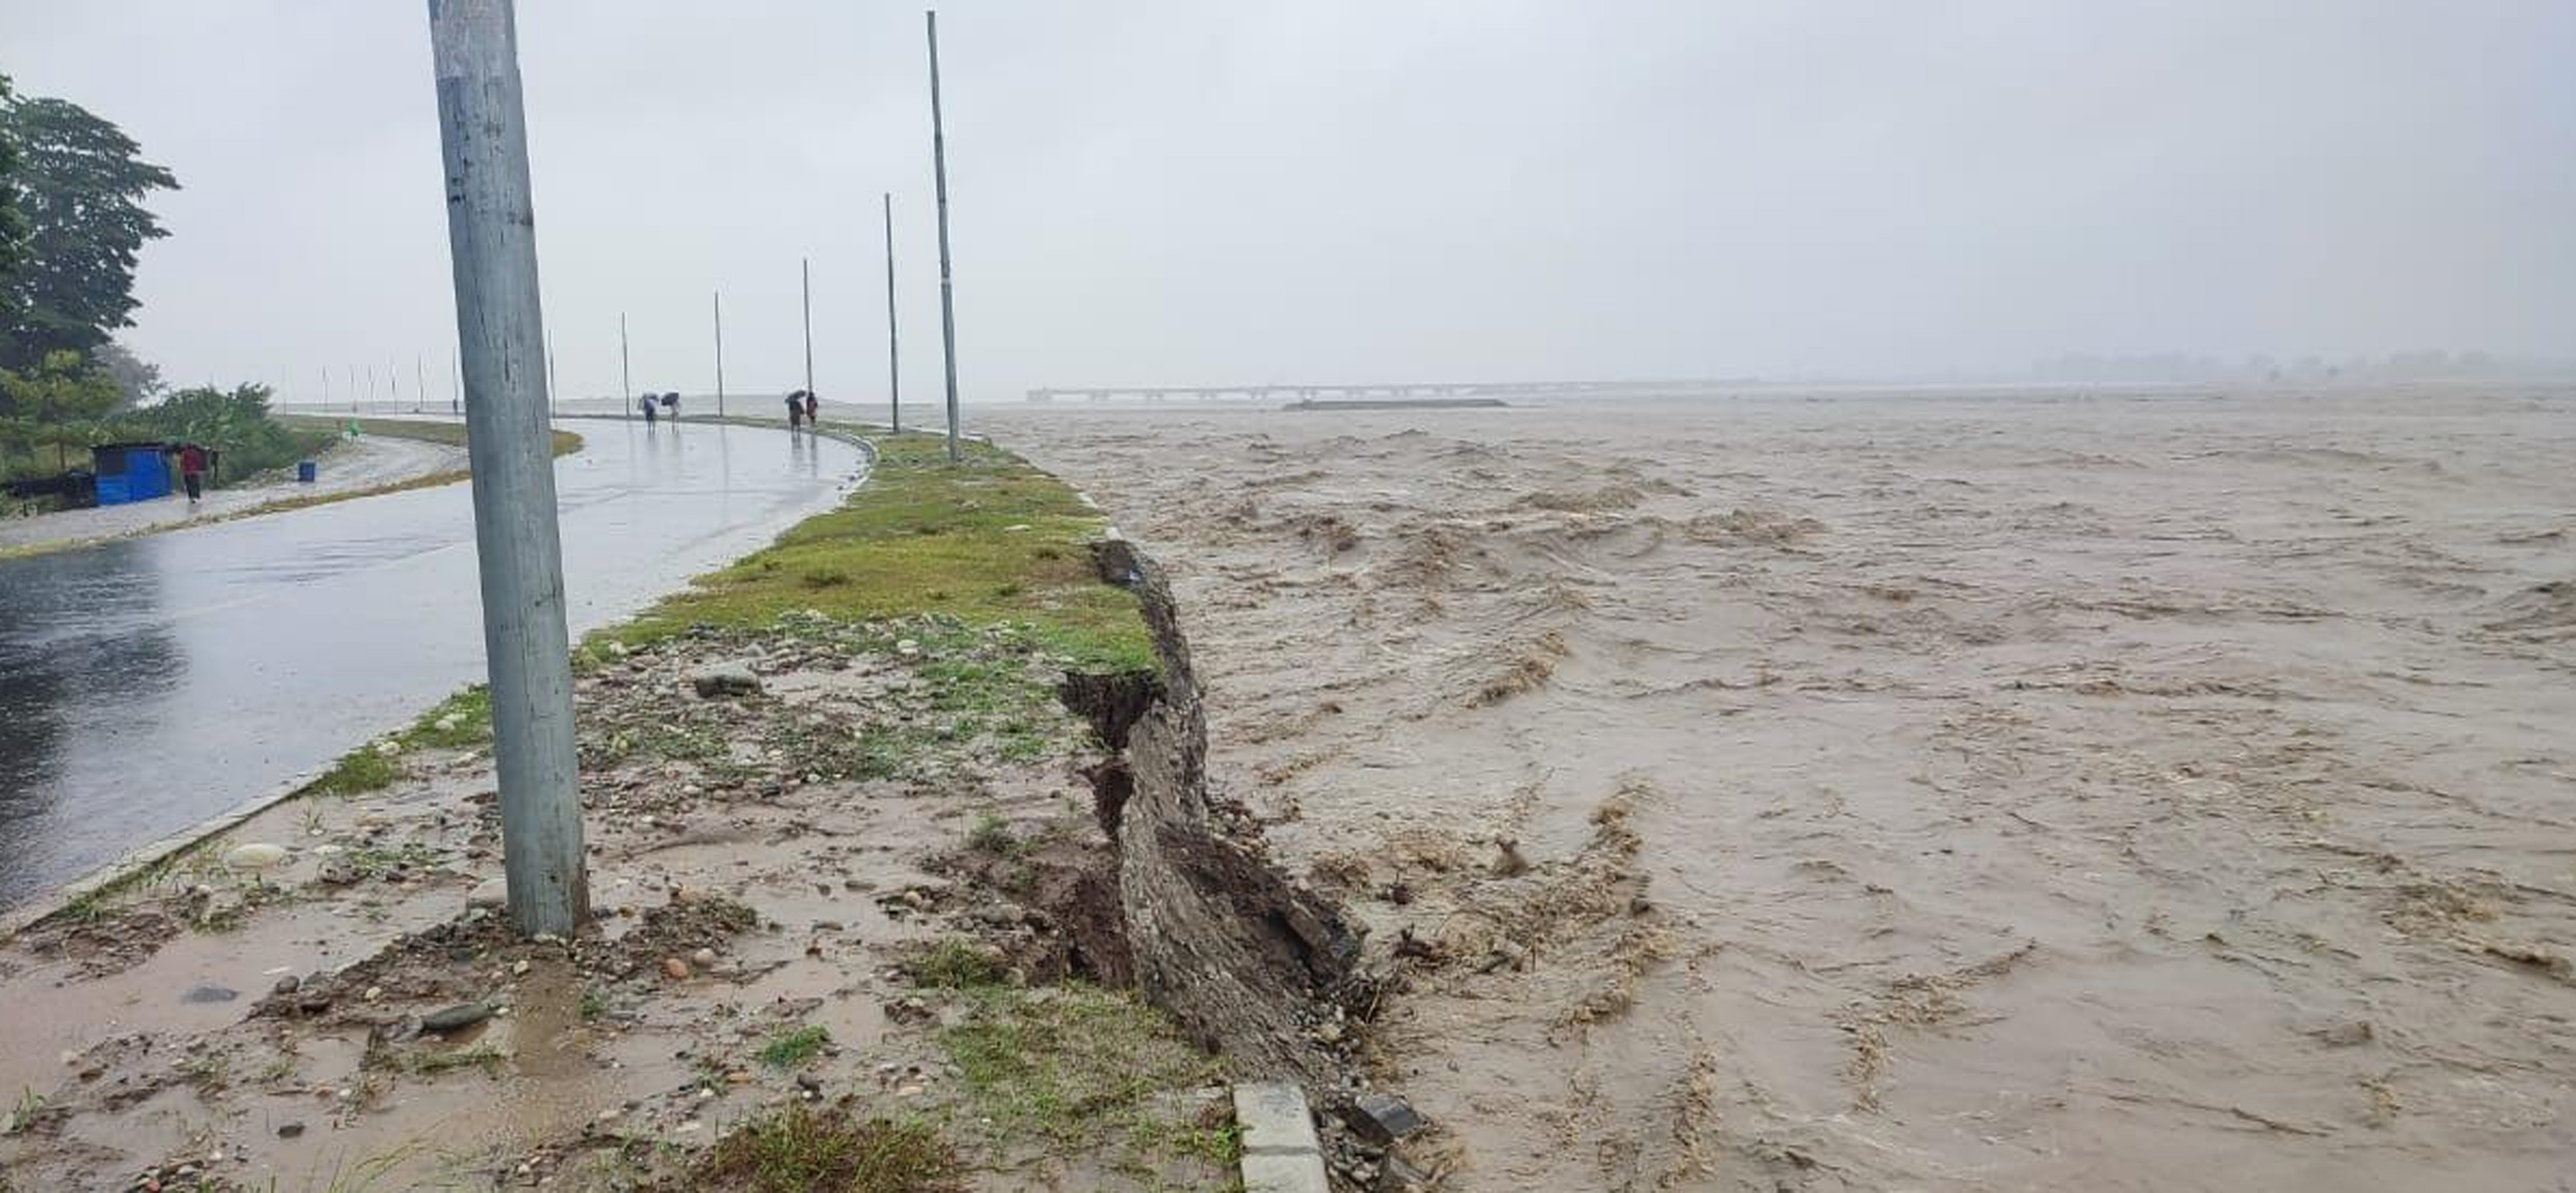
1280	1151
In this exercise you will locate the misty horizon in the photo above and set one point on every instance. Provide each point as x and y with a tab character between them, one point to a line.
1169	195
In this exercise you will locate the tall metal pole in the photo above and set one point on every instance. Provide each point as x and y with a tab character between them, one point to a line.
947	291
894	369
349	374
371	383
720	395
419	382
625	370
805	268
326	388
455	389
553	382
491	235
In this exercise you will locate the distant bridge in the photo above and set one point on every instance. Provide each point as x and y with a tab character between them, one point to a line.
1416	389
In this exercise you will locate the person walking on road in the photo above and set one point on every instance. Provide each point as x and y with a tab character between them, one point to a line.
192	470
652	409
795	409
813	412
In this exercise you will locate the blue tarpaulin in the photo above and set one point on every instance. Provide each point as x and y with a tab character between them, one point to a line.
130	472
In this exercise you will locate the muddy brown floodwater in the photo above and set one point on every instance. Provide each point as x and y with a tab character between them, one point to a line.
1874	791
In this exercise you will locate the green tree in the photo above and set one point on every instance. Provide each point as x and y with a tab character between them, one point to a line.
61	403
13	223
137	380
81	191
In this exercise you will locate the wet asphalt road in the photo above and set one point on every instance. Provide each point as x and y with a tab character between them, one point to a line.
148	684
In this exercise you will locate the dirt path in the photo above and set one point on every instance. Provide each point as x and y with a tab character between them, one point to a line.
350	465
2024	792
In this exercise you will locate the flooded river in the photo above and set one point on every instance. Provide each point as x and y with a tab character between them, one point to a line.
2000	791
148	684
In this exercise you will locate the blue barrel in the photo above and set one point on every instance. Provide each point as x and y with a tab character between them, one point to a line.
305	471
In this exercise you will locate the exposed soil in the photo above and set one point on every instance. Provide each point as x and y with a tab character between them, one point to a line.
761	865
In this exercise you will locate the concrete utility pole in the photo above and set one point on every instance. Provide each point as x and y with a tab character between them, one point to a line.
419	382
371	384
894	369
455	390
805	268
326	387
492	242
551	379
625	370
349	376
719	354
947	292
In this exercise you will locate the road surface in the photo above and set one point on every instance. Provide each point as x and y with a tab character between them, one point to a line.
150	683
349	464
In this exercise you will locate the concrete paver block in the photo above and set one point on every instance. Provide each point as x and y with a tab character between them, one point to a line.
1274	1119
1298	1172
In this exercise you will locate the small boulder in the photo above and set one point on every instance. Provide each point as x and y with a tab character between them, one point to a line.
491	894
718	680
255	856
675	969
207	994
456	1018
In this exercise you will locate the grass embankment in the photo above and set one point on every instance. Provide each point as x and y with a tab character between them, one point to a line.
991	539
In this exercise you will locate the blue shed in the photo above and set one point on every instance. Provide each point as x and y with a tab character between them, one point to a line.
130	472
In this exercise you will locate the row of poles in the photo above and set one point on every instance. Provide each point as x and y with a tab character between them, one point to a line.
506	367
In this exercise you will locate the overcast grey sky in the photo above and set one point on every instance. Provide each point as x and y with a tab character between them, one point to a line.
1324	190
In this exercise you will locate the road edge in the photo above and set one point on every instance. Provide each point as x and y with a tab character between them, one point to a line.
142	858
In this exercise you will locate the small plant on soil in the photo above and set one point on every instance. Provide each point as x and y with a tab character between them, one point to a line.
359	771
992	835
1068	1064
30	1104
797	1150
958	964
790	1049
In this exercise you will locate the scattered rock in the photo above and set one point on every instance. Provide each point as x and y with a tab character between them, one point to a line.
256	856
907	648
718	680
2345	1035
286	985
703	958
1381	1118
1402	1176
207	994
456	1018
289	1130
338	874
448	724
675	969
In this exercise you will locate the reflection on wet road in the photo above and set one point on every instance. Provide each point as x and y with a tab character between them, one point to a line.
148	684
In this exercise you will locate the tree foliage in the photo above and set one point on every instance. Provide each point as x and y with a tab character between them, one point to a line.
80	188
13	223
137	380
62	403
235	421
